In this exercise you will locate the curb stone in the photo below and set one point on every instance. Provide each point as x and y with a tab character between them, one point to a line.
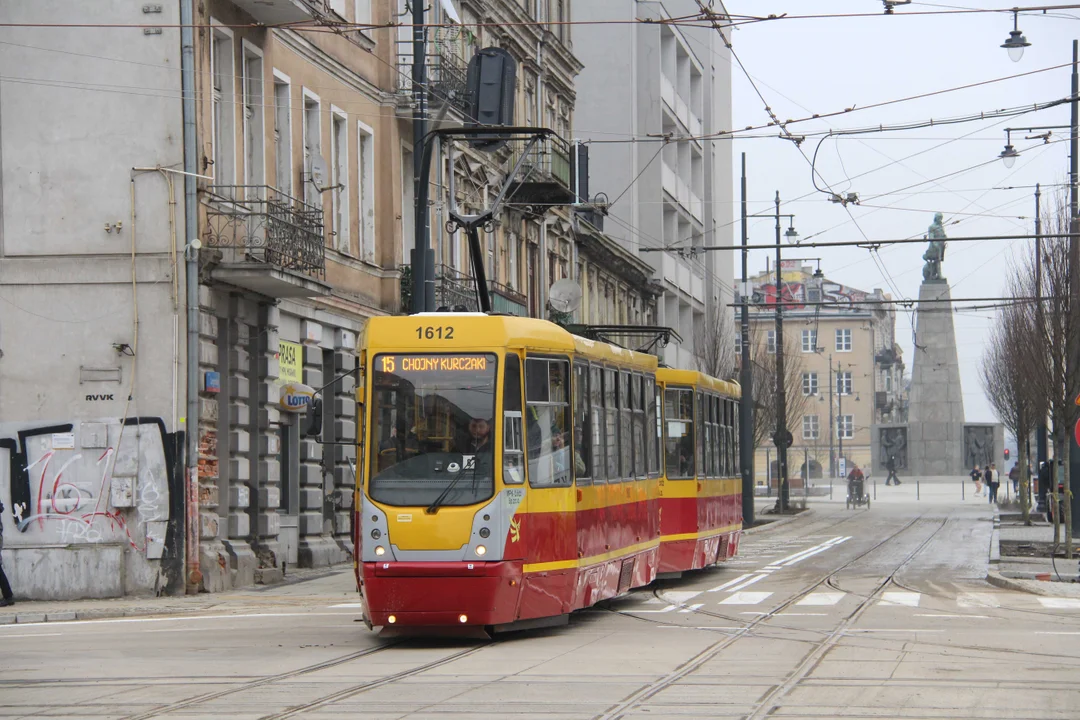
1032	587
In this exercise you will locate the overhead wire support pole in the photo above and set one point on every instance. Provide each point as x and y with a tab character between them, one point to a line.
780	439
746	378
423	259
1073	341
1040	433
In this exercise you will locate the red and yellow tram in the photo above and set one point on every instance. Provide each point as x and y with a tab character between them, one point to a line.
512	472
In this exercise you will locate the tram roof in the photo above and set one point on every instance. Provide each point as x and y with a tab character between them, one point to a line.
477	330
673	376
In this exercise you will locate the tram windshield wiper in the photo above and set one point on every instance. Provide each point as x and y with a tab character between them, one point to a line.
465	467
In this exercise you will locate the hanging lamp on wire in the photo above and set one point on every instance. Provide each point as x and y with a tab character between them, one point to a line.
1016	42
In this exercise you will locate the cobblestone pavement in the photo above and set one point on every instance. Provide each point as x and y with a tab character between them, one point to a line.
838	613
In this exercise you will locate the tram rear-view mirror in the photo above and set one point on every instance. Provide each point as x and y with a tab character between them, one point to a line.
314	415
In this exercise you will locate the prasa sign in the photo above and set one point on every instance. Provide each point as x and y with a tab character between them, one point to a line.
295	397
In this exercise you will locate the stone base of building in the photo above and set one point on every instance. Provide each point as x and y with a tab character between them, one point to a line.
321	552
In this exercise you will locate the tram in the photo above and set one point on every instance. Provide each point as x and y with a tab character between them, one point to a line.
511	472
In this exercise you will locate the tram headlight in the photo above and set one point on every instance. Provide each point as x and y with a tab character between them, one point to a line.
480	550
380	550
484	532
463	618
376	534
391	619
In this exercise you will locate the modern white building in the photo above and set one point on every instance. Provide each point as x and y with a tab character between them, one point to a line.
645	86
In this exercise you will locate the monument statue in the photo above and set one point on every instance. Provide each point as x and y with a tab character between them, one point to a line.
934	254
894	444
978	446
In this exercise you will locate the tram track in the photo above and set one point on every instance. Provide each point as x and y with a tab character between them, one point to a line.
642	695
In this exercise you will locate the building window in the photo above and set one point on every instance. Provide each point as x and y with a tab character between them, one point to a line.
843	382
312	148
809	383
809	341
282	133
888	381
224	134
810	427
365	172
843	340
845	427
770	342
339	153
362	12
254	132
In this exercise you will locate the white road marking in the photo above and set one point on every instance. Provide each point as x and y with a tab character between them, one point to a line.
35	635
1060	603
804	614
729	583
753	613
745	598
680	598
822	598
348	605
747	583
890	630
183	618
1055	632
965	617
967	600
669	608
692	608
907	599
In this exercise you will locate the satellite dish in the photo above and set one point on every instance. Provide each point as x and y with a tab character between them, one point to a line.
318	171
565	296
451	12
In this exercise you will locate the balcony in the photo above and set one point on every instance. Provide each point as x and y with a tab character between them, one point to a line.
544	177
455	289
272	12
447	75
269	242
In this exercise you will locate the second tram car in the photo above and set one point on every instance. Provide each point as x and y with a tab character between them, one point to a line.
513	472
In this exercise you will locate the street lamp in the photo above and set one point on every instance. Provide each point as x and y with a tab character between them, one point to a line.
1016	42
1009	155
790	234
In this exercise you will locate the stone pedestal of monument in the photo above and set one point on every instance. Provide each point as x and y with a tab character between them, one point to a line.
936	409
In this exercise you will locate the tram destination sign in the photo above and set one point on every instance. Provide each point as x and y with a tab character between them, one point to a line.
431	363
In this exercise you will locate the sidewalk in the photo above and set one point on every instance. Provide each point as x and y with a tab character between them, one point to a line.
1020	572
309	587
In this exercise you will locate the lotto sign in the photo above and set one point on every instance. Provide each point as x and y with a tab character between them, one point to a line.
296	397
288	362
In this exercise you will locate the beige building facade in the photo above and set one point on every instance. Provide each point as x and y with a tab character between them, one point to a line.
844	366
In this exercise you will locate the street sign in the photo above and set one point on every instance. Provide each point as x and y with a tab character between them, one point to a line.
1076	432
842	469
1077	401
783	438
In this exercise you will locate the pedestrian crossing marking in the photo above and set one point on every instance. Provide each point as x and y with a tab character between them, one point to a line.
680	598
907	599
970	600
822	598
348	605
1060	603
729	583
746	598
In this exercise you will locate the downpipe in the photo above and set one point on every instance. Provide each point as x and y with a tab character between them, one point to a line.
191	222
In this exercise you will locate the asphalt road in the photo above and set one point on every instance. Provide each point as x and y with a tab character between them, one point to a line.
843	614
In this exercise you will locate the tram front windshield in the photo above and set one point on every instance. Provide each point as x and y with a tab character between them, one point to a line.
432	429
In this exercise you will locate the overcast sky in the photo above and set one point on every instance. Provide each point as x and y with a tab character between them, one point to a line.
816	66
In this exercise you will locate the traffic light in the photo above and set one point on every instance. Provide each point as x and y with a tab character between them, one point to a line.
1006	453
491	79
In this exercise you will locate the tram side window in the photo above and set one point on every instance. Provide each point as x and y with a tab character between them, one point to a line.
720	451
707	439
714	437
611	425
641	445
582	432
735	464
652	426
700	437
547	422
596	423
626	442
679	435
513	439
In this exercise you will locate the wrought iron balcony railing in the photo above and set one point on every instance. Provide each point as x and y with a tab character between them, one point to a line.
455	289
545	176
260	224
446	75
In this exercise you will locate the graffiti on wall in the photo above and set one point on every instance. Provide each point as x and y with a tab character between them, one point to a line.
795	294
108	481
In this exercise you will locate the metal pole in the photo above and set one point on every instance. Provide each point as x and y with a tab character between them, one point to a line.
746	377
832	432
839	413
1040	433
781	395
423	259
1073	342
768	474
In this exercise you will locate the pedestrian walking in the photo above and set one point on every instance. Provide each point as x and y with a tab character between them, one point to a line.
6	597
1014	476
992	482
977	478
890	465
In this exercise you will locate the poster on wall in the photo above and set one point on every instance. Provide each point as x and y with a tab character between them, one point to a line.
288	362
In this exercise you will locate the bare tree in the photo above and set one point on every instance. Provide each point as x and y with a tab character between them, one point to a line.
1011	358
763	365
716	347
